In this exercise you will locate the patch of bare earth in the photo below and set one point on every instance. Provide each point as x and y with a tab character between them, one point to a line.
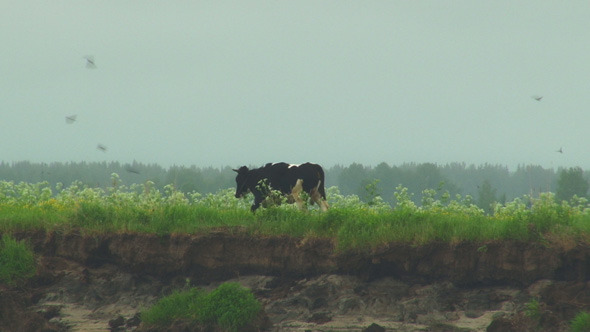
101	283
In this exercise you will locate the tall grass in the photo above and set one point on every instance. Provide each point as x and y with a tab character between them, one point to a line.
350	222
17	262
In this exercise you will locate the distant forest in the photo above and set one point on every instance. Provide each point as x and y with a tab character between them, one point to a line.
485	183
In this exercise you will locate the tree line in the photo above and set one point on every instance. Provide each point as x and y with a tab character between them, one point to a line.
486	183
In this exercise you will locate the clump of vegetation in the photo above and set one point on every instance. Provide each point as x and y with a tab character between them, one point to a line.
17	261
229	307
533	309
178	305
581	323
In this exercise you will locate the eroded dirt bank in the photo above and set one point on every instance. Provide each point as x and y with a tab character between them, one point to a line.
88	282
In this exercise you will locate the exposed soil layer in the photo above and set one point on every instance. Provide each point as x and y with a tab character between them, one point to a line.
100	282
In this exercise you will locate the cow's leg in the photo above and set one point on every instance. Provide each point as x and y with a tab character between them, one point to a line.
258	198
297	189
317	197
254	207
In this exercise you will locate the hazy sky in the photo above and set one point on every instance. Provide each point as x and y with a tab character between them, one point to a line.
216	83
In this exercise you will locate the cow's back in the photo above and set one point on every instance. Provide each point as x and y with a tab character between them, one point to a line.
280	177
283	176
312	175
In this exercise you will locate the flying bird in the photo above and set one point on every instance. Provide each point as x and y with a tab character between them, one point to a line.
131	170
71	119
101	147
537	98
90	64
560	150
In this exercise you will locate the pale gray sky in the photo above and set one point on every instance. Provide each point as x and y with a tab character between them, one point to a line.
216	83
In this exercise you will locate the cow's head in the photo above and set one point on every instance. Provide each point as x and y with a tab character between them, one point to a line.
241	181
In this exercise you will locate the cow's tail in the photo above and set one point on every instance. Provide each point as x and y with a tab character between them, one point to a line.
322	201
321	182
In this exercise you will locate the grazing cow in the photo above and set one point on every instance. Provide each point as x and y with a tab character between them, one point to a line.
290	180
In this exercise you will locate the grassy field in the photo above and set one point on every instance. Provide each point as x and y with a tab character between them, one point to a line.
351	222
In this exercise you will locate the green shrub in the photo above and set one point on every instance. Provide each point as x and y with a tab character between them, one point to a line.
230	307
178	305
17	262
580	323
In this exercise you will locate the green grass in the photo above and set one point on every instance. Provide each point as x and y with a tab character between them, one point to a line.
533	309
349	222
230	306
580	323
17	262
178	305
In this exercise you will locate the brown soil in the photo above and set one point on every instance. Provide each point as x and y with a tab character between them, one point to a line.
101	282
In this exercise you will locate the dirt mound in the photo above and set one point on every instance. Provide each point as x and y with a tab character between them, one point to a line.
101	282
16	314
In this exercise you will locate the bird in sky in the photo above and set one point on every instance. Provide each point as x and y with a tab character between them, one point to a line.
560	150
131	169
101	147
90	64
71	118
537	98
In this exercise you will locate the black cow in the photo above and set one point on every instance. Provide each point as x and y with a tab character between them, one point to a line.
290	180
